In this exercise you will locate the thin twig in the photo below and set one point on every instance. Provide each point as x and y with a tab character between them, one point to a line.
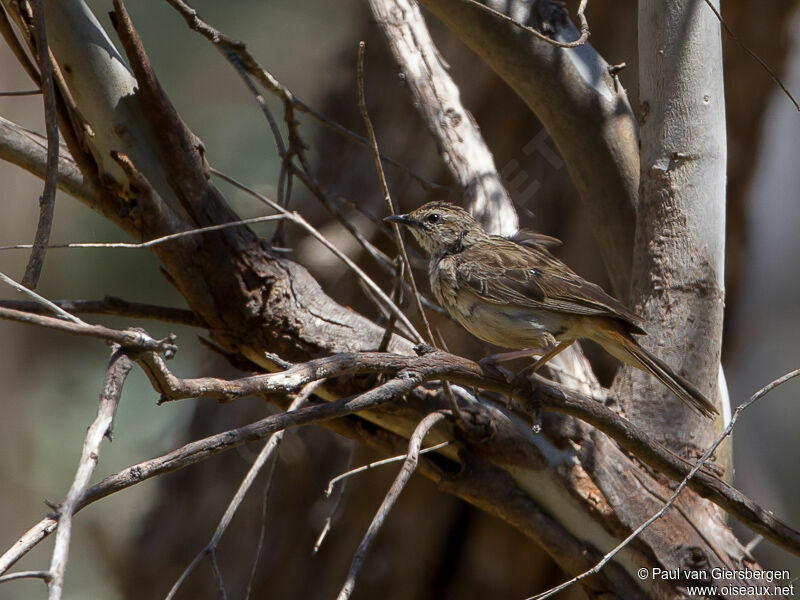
299	220
584	25
362	105
408	468
230	48
316	189
43	575
40	299
127	338
726	432
266	452
262	534
296	146
118	368
200	450
326	527
401	248
47	200
22	93
111	305
212	556
156	241
377	463
753	55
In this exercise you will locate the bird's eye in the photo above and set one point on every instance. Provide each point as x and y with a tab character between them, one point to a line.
433	218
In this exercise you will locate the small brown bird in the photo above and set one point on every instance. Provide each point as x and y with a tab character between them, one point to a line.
515	294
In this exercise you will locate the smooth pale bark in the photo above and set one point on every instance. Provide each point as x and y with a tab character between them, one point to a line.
438	100
678	276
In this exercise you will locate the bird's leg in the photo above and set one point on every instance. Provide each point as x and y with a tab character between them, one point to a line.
546	357
492	362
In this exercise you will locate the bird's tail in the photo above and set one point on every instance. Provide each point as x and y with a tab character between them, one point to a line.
626	349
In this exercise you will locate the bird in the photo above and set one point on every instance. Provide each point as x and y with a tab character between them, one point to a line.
515	294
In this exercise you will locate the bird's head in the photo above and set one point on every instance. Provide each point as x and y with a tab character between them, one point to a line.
440	227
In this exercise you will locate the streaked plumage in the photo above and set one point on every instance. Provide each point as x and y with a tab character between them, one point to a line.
515	294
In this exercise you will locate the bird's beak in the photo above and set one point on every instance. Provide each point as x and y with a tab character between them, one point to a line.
402	220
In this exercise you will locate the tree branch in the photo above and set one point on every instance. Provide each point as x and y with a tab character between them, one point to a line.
199	450
47	201
438	100
441	365
118	368
128	338
406	471
111	305
266	453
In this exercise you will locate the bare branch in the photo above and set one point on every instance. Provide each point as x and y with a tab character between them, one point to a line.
262	533
231	48
438	99
266	453
378	463
118	368
398	238
455	369
111	305
40	299
753	55
128	338
493	211
408	468
702	461
584	36
326	527
157	241
199	450
443	366
47	200
43	575
28	150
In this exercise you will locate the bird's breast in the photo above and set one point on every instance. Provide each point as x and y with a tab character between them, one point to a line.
502	325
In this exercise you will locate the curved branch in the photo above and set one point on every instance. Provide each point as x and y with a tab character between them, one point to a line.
111	305
28	150
438	100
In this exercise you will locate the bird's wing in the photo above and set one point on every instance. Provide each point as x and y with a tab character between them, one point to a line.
503	272
526	237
